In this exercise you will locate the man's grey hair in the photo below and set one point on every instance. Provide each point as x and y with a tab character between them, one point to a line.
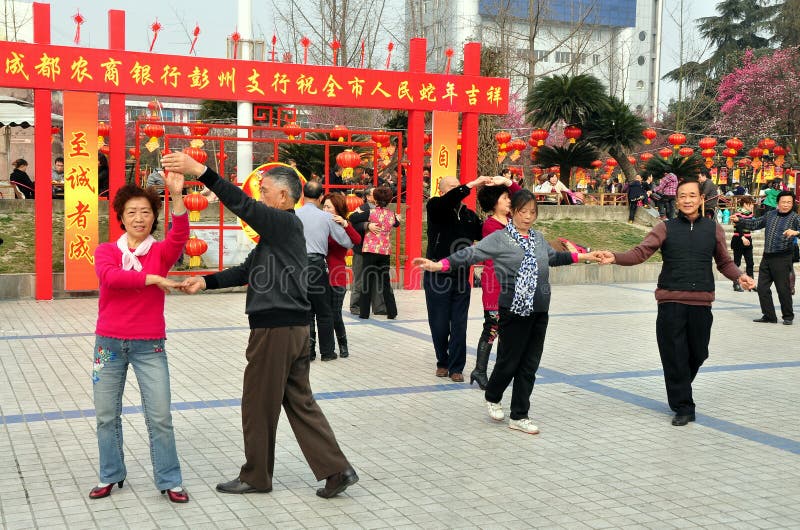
286	178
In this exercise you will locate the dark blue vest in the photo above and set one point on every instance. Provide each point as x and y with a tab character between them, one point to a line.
688	253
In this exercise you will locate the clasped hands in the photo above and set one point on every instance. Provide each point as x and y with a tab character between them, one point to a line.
189	286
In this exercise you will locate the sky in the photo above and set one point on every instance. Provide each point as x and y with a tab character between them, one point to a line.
217	19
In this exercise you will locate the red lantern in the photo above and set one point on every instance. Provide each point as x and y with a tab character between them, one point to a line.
197	153
154	106
458	141
611	162
676	140
353	201
199	129
707	143
735	144
103	130
426	139
348	160
754	153
55	130
195	203
292	130
105	149
572	133
744	162
516	145
597	164
708	153
632	160
381	139
539	136
339	133
132	151
649	135
779	151
665	152
646	157
195	248
154	131
767	144
685	151
502	138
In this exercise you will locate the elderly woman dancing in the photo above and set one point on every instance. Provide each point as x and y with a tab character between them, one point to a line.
131	331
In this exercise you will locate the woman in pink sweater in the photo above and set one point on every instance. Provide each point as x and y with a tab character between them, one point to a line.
495	201
131	331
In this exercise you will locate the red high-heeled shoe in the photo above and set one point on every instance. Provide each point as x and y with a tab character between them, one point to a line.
177	496
99	493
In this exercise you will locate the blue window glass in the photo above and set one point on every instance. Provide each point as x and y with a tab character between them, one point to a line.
615	13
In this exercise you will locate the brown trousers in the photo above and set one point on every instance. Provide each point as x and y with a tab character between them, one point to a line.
277	374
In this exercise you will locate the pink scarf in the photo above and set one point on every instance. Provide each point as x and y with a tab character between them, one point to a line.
130	260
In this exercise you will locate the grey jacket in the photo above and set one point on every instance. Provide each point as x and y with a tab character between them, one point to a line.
507	255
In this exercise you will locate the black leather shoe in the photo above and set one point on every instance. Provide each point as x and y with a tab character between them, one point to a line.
328	357
336	484
682	419
787	322
239	487
765	320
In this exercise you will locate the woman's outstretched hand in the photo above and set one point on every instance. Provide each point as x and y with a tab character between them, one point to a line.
427	265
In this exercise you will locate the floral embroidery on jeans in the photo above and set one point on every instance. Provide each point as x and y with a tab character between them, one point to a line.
158	348
101	357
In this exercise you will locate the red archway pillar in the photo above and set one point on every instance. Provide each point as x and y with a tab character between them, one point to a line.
43	207
469	124
116	120
412	277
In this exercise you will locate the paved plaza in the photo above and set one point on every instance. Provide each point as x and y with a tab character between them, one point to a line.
427	454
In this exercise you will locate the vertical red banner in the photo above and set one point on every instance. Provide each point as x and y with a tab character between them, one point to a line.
444	148
81	213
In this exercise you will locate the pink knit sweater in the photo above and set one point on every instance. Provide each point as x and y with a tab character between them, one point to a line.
127	308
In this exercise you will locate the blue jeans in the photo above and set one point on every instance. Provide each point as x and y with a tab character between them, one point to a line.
447	298
149	360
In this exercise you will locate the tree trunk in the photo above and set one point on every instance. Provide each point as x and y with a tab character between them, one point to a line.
566	174
624	164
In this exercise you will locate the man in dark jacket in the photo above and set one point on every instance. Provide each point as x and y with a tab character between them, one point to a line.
277	306
451	227
685	291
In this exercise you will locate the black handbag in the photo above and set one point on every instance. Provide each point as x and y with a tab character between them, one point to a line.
795	253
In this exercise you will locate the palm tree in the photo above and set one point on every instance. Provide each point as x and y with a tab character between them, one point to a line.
561	97
579	154
685	168
618	130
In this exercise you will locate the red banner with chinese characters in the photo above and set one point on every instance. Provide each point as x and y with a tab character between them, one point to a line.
81	234
444	148
152	74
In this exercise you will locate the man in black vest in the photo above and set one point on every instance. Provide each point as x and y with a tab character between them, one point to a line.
685	291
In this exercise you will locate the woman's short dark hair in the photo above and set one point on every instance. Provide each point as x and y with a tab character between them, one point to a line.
19	162
339	203
132	191
382	196
489	195
785	193
522	198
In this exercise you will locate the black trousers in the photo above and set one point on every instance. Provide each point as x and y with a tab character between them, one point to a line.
683	332
320	298
378	307
447	301
633	204
518	357
375	277
741	251
777	269
337	300
666	206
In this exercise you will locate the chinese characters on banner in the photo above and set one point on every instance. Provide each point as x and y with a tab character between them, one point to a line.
81	234
444	148
116	71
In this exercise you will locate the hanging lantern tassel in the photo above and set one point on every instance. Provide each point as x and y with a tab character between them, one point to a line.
449	54
389	56
78	18
196	32
235	37
274	42
335	45
305	42
155	27
362	54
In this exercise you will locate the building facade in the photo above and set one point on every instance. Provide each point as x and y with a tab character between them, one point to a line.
617	41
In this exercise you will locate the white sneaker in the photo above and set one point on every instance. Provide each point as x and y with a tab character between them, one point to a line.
524	425
495	411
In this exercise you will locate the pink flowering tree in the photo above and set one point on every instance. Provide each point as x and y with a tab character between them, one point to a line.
759	99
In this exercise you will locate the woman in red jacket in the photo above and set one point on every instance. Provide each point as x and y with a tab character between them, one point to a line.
336	204
495	201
